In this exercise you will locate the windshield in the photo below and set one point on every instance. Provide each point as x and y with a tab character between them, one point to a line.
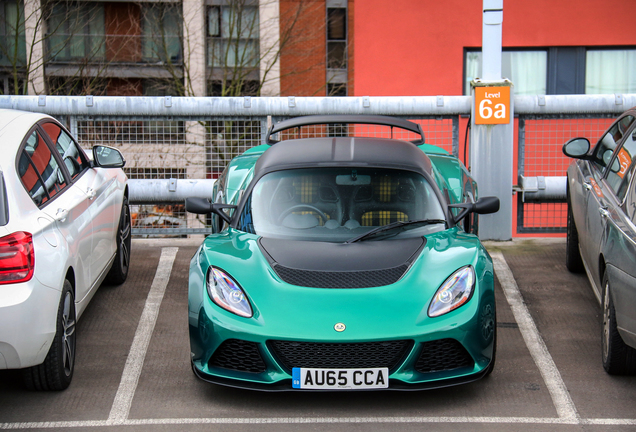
337	204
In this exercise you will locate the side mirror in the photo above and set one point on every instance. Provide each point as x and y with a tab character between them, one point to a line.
203	206
577	148
484	205
107	157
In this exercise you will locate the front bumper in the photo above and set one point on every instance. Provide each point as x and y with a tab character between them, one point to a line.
286	384
445	356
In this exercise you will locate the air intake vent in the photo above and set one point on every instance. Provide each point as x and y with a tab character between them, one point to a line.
443	355
343	279
238	355
388	354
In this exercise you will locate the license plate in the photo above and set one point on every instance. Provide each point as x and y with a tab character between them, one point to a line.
340	379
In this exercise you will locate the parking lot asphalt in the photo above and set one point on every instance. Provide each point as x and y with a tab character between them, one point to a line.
133	368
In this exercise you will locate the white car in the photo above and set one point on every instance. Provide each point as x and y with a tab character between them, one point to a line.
64	228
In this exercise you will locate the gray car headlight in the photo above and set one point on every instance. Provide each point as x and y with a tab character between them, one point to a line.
226	293
453	293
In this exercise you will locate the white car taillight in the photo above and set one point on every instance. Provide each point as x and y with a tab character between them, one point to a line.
17	259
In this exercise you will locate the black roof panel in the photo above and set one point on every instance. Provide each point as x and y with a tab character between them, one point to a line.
343	151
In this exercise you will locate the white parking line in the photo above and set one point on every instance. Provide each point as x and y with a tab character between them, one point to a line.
567	413
130	377
539	352
316	420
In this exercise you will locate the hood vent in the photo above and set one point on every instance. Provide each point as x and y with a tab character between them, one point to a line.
340	279
341	265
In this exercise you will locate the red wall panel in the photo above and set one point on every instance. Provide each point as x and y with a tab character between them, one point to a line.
415	47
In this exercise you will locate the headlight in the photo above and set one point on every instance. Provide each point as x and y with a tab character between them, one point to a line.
453	293
226	293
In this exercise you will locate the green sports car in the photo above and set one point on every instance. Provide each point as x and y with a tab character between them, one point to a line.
342	263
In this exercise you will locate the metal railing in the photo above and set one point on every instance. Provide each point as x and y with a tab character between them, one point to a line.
175	147
545	123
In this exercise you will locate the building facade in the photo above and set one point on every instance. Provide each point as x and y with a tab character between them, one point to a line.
177	48
428	48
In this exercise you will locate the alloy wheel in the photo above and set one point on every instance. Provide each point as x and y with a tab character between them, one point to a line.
68	336
606	321
124	237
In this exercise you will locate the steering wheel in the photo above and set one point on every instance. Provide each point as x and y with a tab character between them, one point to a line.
305	207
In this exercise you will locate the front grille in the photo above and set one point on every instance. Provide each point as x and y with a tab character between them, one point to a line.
238	355
340	355
341	279
442	355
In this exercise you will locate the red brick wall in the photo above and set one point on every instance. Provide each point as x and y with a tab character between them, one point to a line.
303	47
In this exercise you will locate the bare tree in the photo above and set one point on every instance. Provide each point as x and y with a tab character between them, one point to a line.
73	45
13	56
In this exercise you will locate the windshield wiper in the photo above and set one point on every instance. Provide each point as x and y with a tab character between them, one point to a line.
403	226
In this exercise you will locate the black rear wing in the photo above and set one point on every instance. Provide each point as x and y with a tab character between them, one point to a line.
345	119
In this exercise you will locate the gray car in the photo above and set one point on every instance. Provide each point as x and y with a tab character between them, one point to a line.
601	233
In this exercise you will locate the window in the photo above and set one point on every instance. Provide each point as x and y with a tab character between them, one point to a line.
526	69
622	188
12	32
161	25
72	156
336	38
8	85
630	203
76	31
240	87
39	171
605	147
233	36
337	51
337	204
622	170
610	71
337	89
562	70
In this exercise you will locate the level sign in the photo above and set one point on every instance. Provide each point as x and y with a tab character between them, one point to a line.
492	105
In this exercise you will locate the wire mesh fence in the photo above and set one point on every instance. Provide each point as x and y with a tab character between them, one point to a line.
228	138
540	154
154	149
192	148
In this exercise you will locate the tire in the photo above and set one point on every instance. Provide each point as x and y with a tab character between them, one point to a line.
573	260
56	372
119	271
491	366
618	358
488	324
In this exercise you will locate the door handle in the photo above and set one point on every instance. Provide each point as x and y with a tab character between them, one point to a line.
61	215
91	193
603	211
587	186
